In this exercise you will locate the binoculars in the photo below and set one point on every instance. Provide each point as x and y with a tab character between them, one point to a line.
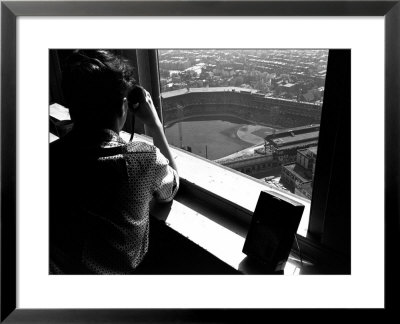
135	96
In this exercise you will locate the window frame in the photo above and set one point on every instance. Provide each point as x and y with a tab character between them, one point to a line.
148	77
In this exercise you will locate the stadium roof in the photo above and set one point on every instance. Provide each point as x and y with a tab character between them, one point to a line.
174	93
297	138
209	89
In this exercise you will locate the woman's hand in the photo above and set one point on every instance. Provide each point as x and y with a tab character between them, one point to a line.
145	110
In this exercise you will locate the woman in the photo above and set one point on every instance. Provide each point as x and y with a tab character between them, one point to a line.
100	185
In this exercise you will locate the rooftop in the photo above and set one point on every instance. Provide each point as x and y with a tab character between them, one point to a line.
298	171
251	152
312	149
290	140
296	145
245	154
295	130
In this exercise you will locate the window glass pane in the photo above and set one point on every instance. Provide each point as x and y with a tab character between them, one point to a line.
256	111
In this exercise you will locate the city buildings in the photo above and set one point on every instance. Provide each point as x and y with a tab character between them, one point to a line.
279	89
285	73
298	176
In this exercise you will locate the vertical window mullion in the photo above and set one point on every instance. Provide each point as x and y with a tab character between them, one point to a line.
155	83
148	77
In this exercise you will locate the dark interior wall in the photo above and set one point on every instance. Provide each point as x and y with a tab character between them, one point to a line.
330	218
55	92
337	235
337	226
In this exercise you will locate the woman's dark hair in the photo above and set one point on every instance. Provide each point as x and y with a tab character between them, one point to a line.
94	83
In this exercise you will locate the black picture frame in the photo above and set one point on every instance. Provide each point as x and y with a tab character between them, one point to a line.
10	10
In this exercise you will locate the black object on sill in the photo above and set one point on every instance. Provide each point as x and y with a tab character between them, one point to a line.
272	230
251	266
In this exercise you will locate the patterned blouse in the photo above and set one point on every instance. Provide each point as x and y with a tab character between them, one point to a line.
100	191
